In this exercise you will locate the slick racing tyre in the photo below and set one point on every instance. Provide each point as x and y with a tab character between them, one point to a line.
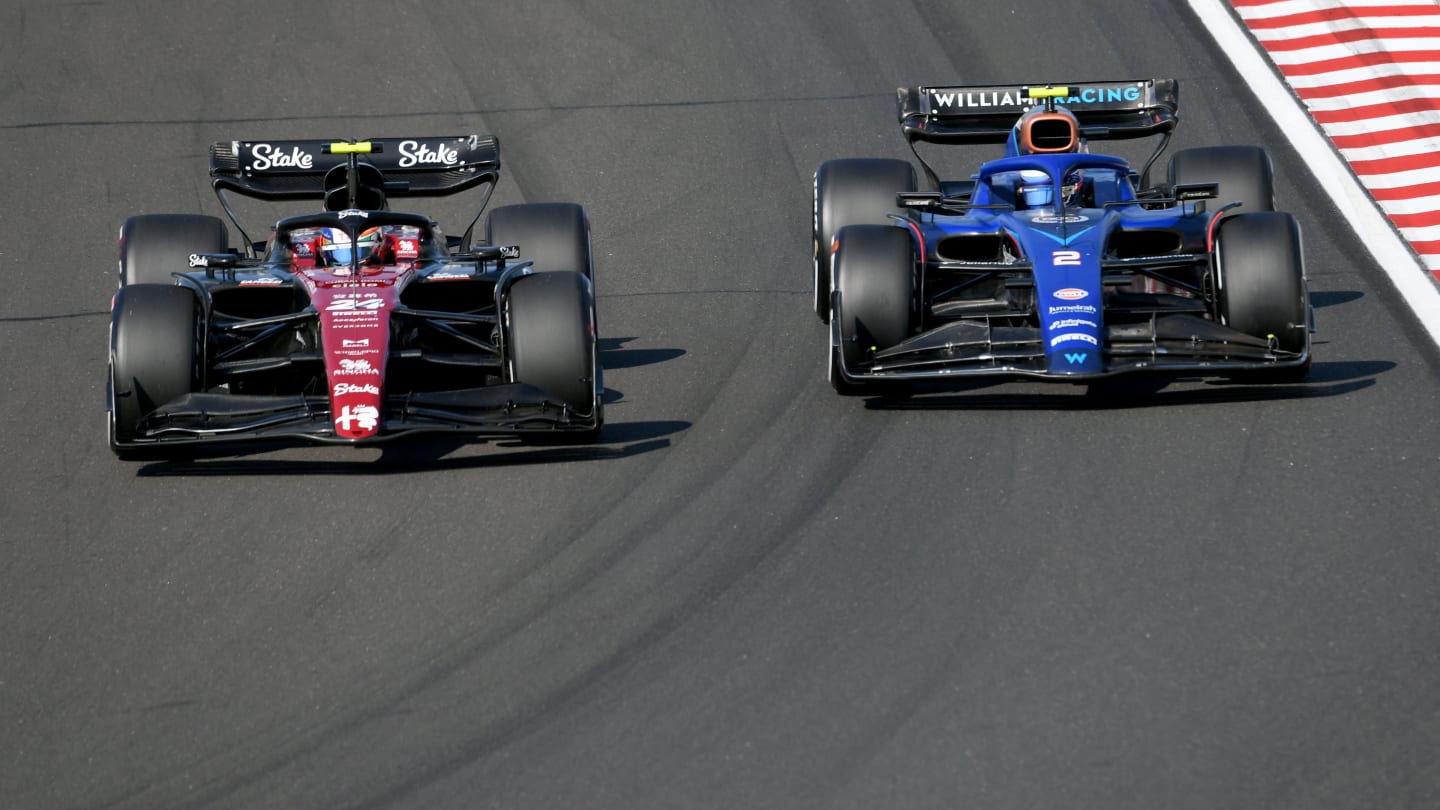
1243	172
152	246
154	354
555	236
551	345
1260	285
874	298
854	191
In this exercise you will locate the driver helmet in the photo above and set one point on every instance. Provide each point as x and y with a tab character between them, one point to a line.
337	251
1036	190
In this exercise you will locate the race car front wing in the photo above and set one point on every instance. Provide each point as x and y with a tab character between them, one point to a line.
512	409
1178	343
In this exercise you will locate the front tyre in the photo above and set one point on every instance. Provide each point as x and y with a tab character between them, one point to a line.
1260	285
155	355
552	344
874	298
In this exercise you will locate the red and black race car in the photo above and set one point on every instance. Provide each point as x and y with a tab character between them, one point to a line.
356	324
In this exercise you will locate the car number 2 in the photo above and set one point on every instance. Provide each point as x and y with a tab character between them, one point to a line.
1063	258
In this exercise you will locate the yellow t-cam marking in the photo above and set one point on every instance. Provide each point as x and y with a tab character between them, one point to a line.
342	148
1048	92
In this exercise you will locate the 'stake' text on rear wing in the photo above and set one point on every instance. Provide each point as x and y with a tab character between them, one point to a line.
416	167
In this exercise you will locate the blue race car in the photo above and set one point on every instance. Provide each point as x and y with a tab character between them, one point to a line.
1052	262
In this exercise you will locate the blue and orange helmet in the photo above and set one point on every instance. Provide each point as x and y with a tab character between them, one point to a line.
336	249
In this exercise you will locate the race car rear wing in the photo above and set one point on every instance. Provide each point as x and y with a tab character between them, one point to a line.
415	167
398	167
985	114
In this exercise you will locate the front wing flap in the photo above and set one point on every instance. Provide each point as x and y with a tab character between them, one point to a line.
1177	343
502	410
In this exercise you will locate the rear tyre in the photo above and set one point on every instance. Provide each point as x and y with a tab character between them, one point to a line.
154	355
552	345
1260	286
152	246
854	191
1243	172
874	298
554	236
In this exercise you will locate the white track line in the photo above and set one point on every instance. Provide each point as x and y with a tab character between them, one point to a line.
1391	253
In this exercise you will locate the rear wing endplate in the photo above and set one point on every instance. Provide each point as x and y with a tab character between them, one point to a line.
986	113
415	167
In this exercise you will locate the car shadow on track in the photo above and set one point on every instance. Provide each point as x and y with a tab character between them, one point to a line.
1117	393
1321	300
614	356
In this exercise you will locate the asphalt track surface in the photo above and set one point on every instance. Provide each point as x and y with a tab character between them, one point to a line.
754	593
